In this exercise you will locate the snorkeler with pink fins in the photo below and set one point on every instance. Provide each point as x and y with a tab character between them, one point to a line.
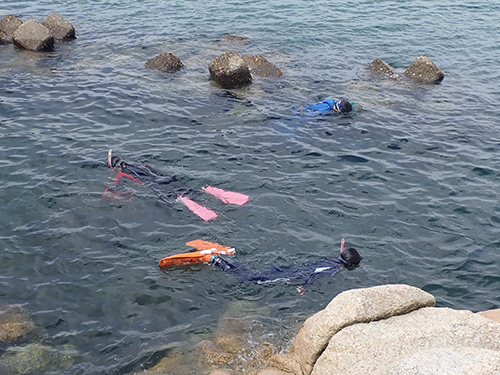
167	189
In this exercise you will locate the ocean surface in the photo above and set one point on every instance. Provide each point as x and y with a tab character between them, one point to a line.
409	177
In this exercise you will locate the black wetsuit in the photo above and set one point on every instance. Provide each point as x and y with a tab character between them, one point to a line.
303	275
166	188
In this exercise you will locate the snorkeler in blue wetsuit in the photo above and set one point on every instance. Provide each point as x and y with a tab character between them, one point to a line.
303	275
325	106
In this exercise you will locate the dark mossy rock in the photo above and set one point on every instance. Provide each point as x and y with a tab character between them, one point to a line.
423	70
8	25
166	62
60	28
33	36
259	66
230	71
380	67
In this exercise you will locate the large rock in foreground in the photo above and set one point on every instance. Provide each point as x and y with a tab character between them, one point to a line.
166	62
393	330
348	308
424	70
8	25
60	28
32	35
230	71
427	341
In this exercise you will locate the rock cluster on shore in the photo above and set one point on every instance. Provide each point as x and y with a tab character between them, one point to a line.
33	35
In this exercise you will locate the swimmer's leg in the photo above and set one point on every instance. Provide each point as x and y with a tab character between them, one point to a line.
227	196
199	210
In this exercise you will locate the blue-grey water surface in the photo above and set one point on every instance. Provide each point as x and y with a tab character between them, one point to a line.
410	177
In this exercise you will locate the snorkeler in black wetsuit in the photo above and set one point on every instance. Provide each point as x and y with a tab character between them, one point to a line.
303	275
168	189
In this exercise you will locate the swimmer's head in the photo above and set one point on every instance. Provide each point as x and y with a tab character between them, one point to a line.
349	257
345	106
116	162
342	106
113	162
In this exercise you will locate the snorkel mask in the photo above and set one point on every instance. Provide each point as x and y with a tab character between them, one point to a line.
350	258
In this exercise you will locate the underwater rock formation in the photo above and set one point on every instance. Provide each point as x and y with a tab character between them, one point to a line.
14	323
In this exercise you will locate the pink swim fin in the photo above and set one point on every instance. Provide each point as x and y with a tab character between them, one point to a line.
198	209
227	196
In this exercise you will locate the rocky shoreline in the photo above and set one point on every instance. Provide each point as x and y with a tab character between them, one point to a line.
387	329
390	329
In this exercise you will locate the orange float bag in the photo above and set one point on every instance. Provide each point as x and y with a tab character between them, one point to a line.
205	251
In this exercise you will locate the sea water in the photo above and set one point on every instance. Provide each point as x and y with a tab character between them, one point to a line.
409	177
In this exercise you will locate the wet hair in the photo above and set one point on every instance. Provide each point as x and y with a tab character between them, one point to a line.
117	162
350	257
345	106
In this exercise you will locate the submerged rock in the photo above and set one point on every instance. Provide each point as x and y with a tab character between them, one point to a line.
37	358
14	323
234	38
60	28
166	62
171	364
424	70
33	36
230	71
235	348
259	66
8	25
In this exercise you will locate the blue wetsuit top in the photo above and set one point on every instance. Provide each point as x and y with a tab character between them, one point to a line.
321	107
302	275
